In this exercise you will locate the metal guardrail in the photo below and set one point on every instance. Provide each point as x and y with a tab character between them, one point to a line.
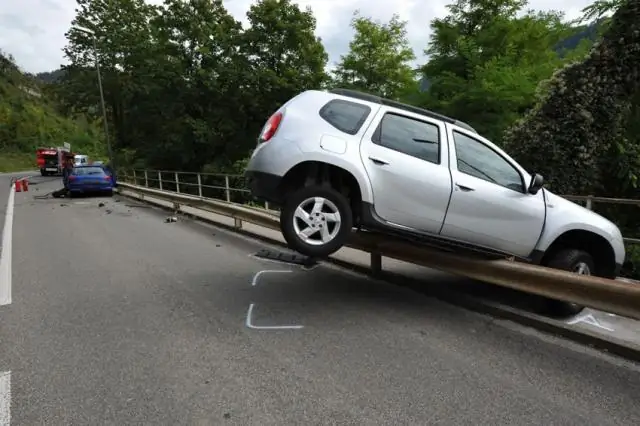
607	295
231	188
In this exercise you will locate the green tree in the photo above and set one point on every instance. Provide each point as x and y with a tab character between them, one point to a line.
379	59
575	135
283	55
487	58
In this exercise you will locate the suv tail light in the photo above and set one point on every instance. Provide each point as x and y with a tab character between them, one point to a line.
271	127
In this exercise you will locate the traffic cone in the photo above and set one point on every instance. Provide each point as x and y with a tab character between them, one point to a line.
18	185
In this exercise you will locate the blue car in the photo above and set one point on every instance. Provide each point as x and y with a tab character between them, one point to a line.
85	179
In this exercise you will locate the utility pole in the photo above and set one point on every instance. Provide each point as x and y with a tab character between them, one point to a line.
104	109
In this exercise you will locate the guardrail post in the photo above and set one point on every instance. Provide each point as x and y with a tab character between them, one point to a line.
160	180
237	223
227	189
589	204
266	205
146	179
199	186
135	179
177	183
376	264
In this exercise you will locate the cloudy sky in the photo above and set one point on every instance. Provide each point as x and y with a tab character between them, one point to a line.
33	30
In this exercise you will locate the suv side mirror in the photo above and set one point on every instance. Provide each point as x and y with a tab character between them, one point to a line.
537	181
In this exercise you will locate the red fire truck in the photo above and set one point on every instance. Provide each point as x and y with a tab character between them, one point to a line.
51	161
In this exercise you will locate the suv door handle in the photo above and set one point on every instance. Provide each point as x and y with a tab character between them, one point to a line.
378	161
464	188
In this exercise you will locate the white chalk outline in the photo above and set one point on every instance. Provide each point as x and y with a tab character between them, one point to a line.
5	255
267	327
591	320
248	323
5	398
254	281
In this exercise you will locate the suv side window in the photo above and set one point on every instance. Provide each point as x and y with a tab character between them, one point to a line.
344	115
412	137
480	161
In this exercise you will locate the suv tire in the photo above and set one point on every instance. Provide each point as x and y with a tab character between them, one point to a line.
324	212
572	260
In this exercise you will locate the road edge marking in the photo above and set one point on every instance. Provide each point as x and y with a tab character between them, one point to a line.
5	255
5	398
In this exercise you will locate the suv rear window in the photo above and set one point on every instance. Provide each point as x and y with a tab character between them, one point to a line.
344	115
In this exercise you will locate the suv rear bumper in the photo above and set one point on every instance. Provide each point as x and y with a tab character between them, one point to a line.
265	186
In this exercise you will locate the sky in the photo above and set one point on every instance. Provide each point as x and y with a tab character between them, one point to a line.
33	30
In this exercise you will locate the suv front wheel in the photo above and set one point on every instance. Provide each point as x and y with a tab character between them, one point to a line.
572	260
316	220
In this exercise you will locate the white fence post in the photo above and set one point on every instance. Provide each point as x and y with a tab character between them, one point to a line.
589	204
227	188
199	186
177	182
146	179
160	179
135	179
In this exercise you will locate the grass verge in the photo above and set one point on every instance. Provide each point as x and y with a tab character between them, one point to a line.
16	161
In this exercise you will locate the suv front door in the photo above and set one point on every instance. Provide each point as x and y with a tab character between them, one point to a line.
490	205
407	167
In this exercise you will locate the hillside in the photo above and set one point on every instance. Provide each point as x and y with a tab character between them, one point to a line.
28	120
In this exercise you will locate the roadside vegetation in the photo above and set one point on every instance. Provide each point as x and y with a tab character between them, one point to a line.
29	119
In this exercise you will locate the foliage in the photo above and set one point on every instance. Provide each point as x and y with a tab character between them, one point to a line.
180	80
28	119
379	59
575	135
487	58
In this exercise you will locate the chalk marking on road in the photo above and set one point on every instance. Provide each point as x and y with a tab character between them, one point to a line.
591	320
254	281
5	255
5	398
267	327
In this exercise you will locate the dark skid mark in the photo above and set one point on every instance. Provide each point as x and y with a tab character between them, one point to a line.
291	258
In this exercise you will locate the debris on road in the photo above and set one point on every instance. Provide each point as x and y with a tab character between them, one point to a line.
100	204
171	219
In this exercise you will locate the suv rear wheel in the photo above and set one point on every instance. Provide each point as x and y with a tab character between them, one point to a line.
316	220
573	260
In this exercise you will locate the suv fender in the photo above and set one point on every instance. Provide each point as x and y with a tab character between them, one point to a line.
324	162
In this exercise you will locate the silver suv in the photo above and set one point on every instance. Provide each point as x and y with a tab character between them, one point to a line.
342	159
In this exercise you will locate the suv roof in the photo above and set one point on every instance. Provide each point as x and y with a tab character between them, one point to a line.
410	108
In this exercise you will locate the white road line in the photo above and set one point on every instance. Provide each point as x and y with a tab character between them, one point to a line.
5	255
254	281
268	327
5	398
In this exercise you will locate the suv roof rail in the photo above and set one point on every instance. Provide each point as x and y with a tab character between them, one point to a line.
395	104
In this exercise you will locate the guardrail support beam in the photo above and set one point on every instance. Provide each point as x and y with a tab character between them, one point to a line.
376	264
237	223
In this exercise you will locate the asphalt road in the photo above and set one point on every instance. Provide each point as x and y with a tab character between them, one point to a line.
119	318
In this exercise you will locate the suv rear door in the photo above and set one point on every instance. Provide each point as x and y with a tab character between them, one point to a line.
406	158
490	205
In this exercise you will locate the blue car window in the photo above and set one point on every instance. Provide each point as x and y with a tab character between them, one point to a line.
83	171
